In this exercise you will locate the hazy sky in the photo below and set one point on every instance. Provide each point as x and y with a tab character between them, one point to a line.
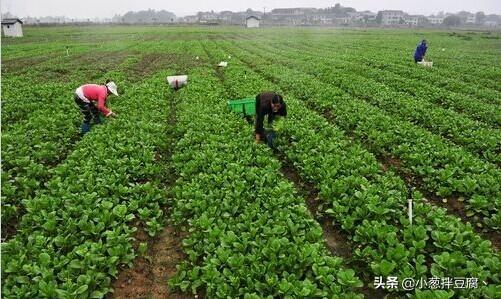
108	8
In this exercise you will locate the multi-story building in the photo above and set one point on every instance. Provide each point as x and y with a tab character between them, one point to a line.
205	17
392	17
471	19
415	20
190	19
436	20
294	16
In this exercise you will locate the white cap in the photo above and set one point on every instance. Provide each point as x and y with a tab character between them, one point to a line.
112	87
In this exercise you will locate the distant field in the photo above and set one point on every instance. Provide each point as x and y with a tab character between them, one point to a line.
176	188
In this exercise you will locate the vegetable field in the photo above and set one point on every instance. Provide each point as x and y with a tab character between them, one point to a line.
385	178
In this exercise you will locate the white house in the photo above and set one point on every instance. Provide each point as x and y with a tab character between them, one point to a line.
436	20
415	20
391	17
252	22
12	27
491	23
368	16
190	19
471	19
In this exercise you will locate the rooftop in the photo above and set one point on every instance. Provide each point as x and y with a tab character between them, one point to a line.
10	21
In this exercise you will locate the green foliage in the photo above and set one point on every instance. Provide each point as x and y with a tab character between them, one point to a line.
368	203
249	235
76	233
351	98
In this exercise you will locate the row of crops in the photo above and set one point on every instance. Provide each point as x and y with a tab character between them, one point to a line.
442	167
368	135
367	204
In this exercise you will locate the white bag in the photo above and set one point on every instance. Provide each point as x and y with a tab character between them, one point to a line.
177	81
426	63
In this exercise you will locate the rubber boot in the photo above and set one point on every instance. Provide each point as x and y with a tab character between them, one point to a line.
270	137
97	120
85	128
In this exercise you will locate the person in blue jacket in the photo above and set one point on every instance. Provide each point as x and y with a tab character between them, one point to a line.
420	51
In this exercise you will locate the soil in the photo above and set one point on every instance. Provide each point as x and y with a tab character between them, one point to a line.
87	66
149	275
153	62
148	278
9	229
336	242
17	65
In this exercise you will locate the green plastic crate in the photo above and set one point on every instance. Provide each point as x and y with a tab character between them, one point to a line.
246	106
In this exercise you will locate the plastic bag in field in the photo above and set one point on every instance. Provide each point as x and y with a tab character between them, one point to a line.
177	81
426	63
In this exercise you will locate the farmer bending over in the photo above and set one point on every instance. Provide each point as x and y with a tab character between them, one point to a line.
420	51
87	94
271	104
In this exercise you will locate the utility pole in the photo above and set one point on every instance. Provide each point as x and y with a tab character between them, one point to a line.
264	13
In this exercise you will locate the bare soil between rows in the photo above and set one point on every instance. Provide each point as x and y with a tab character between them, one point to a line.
148	278
336	241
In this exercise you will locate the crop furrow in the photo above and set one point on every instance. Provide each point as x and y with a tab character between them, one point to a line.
159	255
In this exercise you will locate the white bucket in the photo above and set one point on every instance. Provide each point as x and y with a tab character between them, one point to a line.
177	82
426	63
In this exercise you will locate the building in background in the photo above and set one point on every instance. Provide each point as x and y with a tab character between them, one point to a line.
293	16
337	15
471	19
189	19
252	22
362	16
12	27
392	17
492	21
415	20
436	20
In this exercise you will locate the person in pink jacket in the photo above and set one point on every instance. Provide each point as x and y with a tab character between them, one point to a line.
87	95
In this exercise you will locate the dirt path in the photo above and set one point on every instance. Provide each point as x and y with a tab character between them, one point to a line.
335	240
149	275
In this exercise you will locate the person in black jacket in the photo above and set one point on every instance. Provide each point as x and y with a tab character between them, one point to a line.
271	104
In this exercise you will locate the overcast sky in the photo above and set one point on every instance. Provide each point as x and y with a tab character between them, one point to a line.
108	8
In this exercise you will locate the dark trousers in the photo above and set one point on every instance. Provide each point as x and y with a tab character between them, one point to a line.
88	110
